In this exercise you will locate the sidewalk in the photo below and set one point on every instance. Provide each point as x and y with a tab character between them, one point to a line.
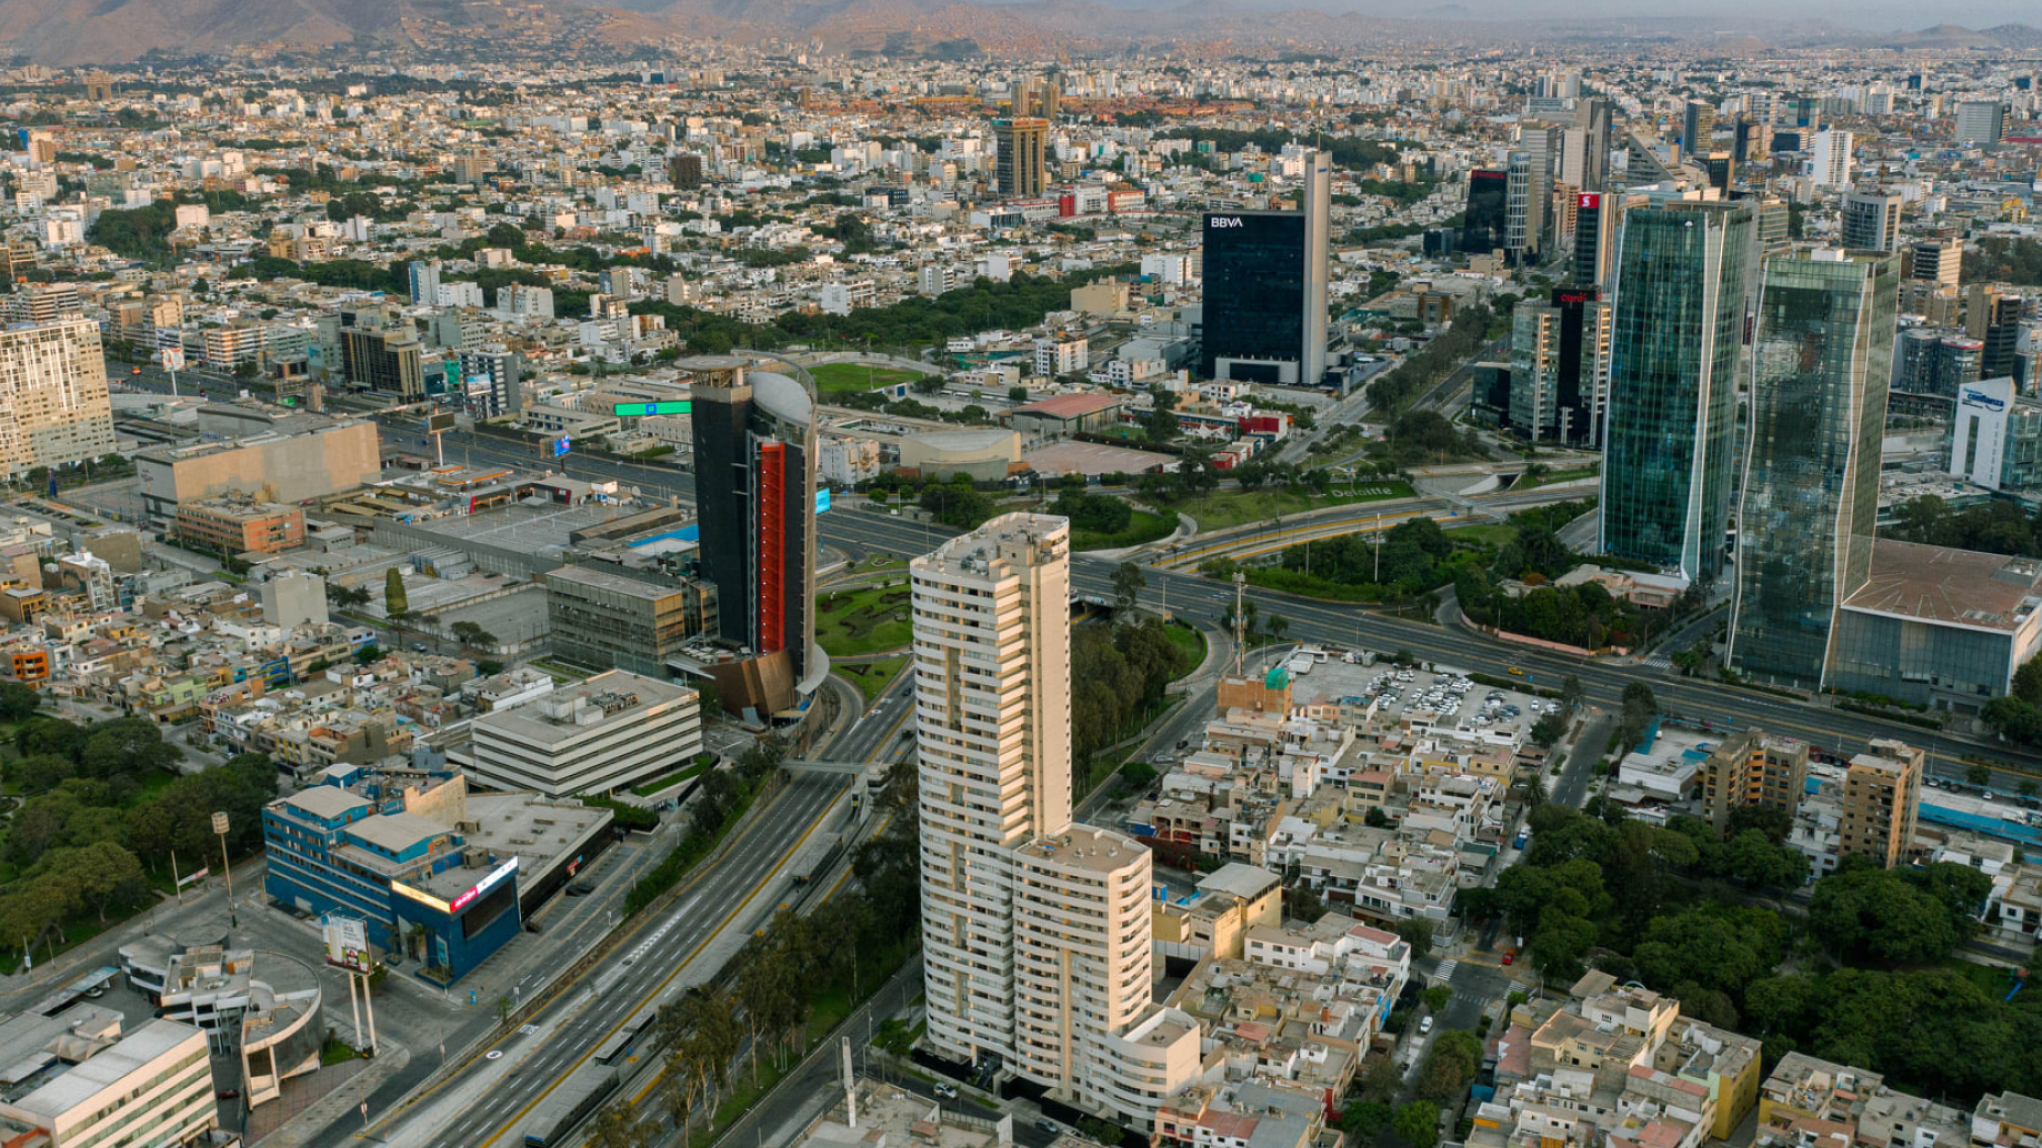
202	903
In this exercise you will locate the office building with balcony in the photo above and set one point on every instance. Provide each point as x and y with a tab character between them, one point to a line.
1752	770
1881	798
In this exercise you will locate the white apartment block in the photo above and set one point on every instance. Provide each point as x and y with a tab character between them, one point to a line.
54	408
1062	356
97	1088
1036	931
1830	161
844	298
613	730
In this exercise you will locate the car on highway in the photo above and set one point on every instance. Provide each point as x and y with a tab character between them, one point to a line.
1515	672
580	889
946	1091
1049	1126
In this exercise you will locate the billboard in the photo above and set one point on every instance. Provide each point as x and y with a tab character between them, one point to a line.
439	421
173	358
640	410
561	446
462	900
347	943
822	499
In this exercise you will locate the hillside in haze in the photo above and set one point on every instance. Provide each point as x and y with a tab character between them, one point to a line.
63	32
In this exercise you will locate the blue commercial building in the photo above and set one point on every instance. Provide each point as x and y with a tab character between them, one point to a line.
421	889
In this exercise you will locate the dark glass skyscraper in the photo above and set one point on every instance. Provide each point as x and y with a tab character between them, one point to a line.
755	457
1821	359
1488	211
1675	339
1595	216
1265	289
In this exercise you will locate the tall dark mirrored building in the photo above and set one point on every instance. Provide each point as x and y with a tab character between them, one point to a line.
1822	357
755	457
1676	333
1265	288
1488	211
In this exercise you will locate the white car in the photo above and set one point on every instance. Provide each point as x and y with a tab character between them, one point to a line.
1425	1025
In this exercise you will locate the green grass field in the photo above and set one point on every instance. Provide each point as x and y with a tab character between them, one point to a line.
874	677
1190	642
866	621
669	781
1142	527
852	378
1227	508
1579	472
1497	534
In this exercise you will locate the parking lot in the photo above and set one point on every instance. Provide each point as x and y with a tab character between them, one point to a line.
1457	700
1452	698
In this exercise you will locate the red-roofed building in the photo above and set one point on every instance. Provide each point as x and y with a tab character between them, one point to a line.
1061	416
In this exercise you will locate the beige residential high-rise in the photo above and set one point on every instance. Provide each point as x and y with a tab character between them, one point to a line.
1881	796
54	409
1035	931
992	712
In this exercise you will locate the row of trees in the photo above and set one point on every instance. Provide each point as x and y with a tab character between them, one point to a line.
1996	527
724	797
759	1007
1117	676
97	804
2005	259
1019	303
1433	362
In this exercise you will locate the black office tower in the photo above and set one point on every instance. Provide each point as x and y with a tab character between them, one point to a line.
755	492
1265	289
1488	211
1595	216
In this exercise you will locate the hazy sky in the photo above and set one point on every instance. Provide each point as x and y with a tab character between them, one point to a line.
1873	15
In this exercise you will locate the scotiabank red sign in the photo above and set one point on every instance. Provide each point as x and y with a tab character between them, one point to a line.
1590	199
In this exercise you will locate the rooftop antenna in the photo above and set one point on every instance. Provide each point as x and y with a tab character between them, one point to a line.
1240	622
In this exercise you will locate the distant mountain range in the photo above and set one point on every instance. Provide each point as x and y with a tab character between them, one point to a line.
111	31
65	32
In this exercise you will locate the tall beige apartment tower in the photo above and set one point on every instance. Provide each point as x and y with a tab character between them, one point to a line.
1035	931
1881	798
54	409
992	712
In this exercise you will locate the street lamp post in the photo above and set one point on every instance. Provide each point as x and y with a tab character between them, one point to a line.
226	866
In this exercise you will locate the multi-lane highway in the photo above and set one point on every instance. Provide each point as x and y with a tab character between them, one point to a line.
1197	599
491	1094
